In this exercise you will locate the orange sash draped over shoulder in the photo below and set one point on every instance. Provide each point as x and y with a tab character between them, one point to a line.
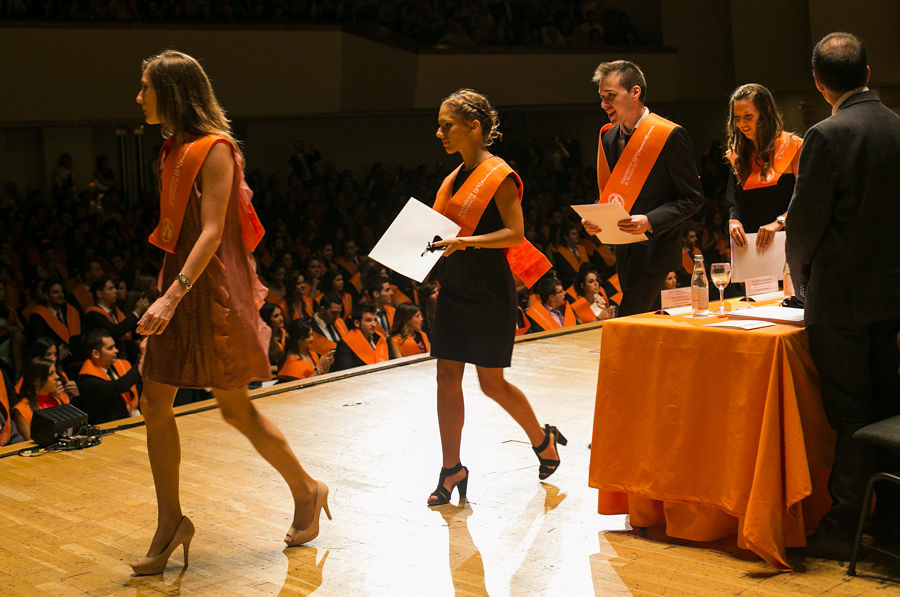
296	368
131	397
65	331
466	206
409	346
4	405
177	172
786	147
361	347
540	315
623	185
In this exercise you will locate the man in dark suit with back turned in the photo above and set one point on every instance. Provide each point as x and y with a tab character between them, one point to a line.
659	189
842	242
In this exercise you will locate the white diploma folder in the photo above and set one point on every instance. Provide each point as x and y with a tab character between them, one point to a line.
402	248
747	262
606	217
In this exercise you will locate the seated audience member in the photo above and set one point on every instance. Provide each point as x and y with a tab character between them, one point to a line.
9	431
57	319
296	304
553	312
689	250
12	337
80	285
570	255
301	361
273	317
427	295
333	281
407	337
323	250
671	282
381	294
105	314
592	303
41	388
276	284
362	345
109	387
45	348
314	271
348	261
328	327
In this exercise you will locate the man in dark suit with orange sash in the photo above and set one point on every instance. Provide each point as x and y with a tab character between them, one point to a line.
106	315
362	345
553	312
58	320
646	164
842	244
109	388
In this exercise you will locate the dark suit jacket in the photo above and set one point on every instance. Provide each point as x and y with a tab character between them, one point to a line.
102	399
345	358
671	194
92	320
843	224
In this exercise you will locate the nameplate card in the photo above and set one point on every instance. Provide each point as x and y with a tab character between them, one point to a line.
676	297
763	288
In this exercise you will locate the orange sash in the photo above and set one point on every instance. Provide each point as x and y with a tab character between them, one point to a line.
24	408
526	324
82	294
687	259
105	313
296	368
307	309
583	310
570	293
361	347
409	346
177	172
347	265
571	258
543	318
279	342
7	415
131	397
624	183
321	344
65	332
347	302
389	312
466	206
356	282
617	297
786	147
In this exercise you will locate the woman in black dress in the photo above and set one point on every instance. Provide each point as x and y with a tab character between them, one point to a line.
764	161
475	315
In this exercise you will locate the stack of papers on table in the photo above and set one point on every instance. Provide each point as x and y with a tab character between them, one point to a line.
787	315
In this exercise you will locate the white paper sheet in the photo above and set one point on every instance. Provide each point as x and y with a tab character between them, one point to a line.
605	216
740	324
787	315
401	248
747	262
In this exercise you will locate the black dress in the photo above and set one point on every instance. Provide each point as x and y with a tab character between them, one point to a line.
757	207
475	316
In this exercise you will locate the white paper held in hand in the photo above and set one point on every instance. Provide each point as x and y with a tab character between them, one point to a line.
402	247
748	262
606	216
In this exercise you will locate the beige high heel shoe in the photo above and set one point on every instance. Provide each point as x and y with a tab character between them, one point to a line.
301	536
184	532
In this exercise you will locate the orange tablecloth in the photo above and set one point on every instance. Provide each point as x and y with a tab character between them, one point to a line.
711	432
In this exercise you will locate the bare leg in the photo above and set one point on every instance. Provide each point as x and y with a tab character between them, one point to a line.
451	413
164	450
513	401
271	445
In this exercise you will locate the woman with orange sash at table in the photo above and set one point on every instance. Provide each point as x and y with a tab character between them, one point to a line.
407	336
475	316
41	388
204	331
764	159
301	361
592	303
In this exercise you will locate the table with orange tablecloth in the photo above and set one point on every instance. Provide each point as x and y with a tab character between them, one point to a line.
711	432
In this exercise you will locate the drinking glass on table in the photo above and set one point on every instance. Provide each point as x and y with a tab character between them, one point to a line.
721	276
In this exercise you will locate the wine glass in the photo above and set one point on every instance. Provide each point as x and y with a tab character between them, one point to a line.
721	276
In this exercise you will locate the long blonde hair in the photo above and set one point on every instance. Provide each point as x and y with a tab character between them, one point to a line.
185	101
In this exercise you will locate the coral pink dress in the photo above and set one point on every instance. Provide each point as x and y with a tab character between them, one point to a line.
216	338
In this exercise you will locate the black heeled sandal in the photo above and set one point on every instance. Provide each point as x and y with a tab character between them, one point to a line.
548	466
442	494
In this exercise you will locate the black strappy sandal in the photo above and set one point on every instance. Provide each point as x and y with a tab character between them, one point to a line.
548	466
442	494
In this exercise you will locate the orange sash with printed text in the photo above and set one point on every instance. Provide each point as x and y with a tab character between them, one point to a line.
623	185
72	327
786	147
131	397
177	172
466	206
361	347
541	316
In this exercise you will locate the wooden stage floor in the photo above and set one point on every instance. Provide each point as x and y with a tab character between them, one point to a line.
70	522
